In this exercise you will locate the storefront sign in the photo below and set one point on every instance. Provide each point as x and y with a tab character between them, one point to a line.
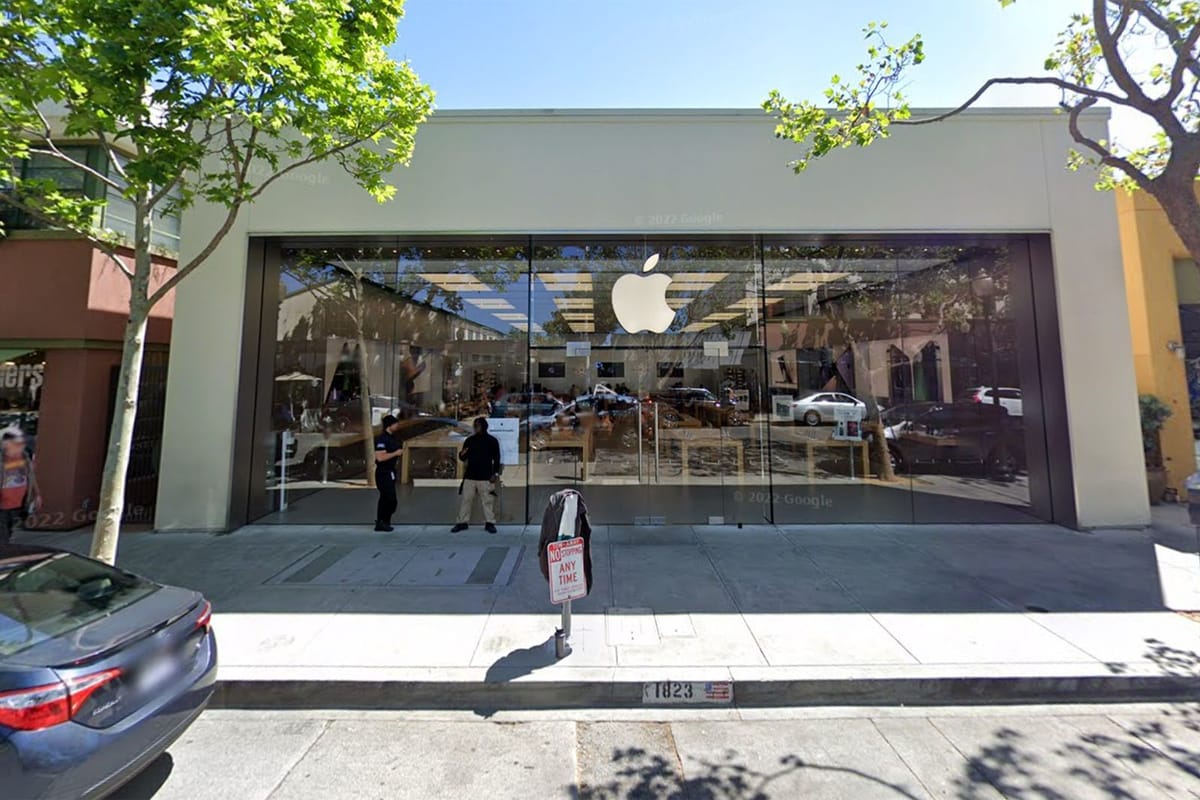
22	376
847	423
565	558
507	431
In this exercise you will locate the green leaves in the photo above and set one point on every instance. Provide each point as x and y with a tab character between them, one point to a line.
1143	55
215	98
860	110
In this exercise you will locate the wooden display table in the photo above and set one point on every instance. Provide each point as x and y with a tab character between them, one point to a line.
814	439
703	437
560	439
437	440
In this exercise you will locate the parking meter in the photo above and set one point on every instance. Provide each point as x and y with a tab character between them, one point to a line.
1193	497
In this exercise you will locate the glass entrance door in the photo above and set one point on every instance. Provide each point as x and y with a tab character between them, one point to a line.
645	362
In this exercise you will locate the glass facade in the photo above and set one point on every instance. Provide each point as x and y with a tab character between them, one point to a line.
673	379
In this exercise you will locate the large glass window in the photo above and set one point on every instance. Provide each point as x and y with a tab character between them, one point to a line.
672	379
895	383
428	332
654	345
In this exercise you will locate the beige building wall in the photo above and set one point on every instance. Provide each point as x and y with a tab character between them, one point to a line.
688	171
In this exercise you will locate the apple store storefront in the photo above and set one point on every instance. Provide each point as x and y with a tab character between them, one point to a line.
711	379
651	308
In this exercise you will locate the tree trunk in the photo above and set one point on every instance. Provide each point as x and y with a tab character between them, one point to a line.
1178	200
364	383
120	439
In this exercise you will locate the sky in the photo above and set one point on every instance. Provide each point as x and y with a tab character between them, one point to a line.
709	54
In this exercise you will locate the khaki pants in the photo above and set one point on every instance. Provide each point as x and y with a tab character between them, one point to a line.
483	490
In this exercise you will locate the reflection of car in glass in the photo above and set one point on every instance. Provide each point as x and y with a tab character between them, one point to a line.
698	402
821	407
519	404
100	671
954	434
346	415
611	417
1009	397
346	459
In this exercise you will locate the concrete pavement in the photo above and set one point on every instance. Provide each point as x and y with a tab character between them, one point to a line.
1131	752
344	617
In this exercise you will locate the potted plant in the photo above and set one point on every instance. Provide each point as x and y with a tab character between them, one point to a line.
1154	414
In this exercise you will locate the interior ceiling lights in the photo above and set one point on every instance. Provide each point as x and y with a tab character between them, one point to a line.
489	303
573	302
695	281
455	281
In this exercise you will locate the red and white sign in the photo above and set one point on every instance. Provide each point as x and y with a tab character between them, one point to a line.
565	558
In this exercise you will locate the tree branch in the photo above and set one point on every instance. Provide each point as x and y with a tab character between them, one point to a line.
1114	60
52	151
1106	156
333	151
185	270
1184	62
1067	86
108	249
1164	26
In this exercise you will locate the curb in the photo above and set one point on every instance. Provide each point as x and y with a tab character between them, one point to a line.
551	695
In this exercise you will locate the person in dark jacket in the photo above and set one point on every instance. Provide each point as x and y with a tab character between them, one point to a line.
481	453
387	451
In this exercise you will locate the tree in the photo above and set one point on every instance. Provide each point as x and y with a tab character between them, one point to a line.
1098	58
192	100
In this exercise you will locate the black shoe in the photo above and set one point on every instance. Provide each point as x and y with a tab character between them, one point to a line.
383	527
490	528
459	528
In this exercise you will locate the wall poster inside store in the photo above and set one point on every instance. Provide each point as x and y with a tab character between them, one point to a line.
507	433
781	407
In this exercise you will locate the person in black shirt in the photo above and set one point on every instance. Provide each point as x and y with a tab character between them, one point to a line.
387	451
481	452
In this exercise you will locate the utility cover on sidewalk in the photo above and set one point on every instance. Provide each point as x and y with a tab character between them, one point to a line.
468	565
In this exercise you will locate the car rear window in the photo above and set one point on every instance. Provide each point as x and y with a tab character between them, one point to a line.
44	595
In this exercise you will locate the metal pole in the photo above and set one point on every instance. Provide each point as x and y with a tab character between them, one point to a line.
283	438
325	462
656	438
566	530
638	428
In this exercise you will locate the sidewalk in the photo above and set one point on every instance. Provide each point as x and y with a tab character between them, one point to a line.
339	616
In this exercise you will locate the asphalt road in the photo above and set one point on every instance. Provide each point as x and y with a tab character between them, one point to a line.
1049	753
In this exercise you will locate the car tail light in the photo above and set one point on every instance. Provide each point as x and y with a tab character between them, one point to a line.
80	689
35	708
45	706
977	397
205	617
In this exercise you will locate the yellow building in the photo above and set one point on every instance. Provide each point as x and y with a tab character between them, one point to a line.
1163	287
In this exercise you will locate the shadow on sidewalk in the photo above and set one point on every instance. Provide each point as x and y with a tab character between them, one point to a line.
516	664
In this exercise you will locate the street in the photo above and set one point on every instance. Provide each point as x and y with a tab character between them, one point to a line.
1052	753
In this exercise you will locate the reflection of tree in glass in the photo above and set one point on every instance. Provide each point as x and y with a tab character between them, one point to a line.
865	293
496	267
342	282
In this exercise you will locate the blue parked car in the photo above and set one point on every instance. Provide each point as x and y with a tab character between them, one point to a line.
100	671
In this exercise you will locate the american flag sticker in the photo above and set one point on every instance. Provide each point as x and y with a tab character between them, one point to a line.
718	692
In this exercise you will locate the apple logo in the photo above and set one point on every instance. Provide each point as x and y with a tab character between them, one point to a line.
640	303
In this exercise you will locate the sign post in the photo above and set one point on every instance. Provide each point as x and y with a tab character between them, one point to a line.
567	581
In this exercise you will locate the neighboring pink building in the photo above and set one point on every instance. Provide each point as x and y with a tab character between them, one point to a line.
63	307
